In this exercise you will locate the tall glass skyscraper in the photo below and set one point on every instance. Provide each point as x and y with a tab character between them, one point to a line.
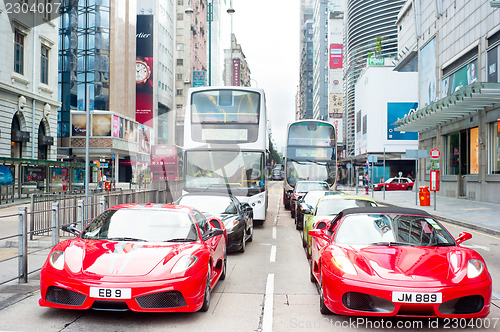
84	48
367	22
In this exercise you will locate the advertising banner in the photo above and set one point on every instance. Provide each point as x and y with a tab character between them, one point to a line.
428	74
236	72
336	56
198	78
144	70
396	111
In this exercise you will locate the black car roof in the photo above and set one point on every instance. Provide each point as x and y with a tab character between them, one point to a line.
390	209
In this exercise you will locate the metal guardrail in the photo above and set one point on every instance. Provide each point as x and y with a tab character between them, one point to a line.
48	212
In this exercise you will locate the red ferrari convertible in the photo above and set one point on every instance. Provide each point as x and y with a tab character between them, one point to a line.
396	262
154	257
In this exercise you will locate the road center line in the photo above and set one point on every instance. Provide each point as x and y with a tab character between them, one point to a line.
272	257
274	232
267	320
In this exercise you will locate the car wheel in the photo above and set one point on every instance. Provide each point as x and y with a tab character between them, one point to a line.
250	238
322	307
292	212
224	269
304	243
243	244
206	298
311	274
409	188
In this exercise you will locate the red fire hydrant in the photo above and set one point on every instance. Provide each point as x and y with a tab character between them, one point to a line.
424	196
366	189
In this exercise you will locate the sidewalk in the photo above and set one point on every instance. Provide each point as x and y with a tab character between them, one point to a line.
481	216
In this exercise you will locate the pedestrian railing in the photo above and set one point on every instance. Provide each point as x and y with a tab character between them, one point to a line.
49	212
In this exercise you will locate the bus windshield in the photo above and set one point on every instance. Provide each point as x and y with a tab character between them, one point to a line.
225	106
310	170
216	170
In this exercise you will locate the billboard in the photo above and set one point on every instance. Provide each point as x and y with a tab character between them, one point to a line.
336	56
428	74
198	78
144	70
396	111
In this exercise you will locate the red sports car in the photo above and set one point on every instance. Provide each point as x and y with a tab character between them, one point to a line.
153	257
397	262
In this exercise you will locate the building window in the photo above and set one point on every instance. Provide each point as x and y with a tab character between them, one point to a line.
365	123
44	65
358	122
180	16
178	77
462	152
180	62
495	147
19	52
179	92
180	47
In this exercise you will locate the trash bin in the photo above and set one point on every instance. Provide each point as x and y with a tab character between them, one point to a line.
424	196
107	185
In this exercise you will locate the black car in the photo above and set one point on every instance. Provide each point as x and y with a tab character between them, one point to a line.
307	202
236	216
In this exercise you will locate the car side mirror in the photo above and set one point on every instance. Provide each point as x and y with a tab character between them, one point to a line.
212	233
71	228
462	237
215	223
319	233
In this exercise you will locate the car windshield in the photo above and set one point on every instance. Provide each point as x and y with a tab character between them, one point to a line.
392	229
308	186
152	225
328	207
210	204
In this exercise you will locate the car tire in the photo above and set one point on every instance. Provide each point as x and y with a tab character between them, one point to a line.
312	278
409	188
292	212
322	307
304	243
206	297
250	238
243	242
224	268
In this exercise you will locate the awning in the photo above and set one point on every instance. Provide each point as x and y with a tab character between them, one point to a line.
462	103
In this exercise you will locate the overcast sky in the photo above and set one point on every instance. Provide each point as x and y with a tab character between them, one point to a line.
268	31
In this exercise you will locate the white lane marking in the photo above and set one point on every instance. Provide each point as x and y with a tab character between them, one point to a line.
267	320
274	232
272	257
495	295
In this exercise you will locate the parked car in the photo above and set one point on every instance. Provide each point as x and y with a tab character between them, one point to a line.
277	174
236	216
301	187
156	258
395	184
327	208
306	204
391	261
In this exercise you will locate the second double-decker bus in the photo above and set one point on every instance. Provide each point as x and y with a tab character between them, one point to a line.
311	154
226	144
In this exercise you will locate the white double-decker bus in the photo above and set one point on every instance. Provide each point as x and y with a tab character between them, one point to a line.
226	144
